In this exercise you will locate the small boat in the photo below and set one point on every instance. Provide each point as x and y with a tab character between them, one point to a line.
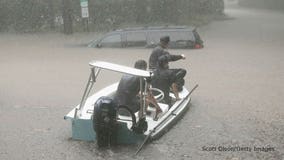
129	129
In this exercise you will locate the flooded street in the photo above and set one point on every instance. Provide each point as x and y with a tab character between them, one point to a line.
237	107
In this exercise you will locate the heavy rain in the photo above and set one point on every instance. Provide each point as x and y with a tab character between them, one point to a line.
236	113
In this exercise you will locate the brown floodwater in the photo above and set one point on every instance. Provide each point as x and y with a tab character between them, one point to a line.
239	102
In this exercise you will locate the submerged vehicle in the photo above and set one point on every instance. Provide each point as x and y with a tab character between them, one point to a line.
149	37
97	117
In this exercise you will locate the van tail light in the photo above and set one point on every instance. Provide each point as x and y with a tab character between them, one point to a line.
198	46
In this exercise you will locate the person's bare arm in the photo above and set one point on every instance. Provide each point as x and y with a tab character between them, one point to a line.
151	99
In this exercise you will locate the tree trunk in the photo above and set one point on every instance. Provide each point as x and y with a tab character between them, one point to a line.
67	17
51	14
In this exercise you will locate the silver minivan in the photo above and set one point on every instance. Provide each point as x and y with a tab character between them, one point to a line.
149	37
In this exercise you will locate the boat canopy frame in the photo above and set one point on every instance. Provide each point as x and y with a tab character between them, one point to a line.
97	66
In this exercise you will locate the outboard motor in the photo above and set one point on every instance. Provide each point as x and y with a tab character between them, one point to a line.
104	121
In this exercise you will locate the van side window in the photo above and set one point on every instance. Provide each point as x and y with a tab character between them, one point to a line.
135	39
111	41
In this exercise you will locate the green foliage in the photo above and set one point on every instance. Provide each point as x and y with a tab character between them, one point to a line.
48	15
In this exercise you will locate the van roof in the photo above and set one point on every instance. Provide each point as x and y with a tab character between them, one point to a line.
156	28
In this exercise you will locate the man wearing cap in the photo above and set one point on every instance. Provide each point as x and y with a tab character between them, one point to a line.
160	50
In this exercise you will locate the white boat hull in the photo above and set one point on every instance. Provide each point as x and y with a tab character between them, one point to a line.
82	125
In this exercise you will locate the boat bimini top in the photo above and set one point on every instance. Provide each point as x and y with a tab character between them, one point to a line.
120	68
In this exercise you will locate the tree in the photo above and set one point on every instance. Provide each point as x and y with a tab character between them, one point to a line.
140	10
67	17
51	14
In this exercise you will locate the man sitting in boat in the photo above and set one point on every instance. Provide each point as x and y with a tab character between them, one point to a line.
160	50
127	93
166	79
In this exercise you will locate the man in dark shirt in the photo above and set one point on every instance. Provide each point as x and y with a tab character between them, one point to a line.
166	79
129	88
160	51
